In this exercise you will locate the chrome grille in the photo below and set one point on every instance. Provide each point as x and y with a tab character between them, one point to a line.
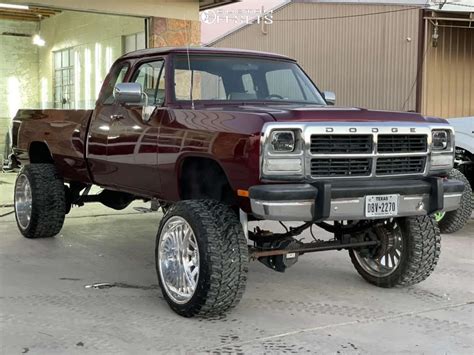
328	167
400	165
366	154
401	143
341	143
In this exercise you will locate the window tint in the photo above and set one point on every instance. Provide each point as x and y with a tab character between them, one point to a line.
151	76
117	75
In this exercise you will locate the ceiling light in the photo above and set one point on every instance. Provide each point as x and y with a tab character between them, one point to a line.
13	6
38	41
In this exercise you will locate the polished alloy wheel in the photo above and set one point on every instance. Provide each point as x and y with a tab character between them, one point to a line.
178	260
23	201
385	258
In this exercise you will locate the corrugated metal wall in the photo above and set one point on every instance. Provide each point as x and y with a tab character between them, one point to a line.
369	61
448	78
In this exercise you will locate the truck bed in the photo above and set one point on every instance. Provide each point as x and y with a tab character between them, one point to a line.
64	133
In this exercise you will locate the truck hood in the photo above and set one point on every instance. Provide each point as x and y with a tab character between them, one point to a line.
313	113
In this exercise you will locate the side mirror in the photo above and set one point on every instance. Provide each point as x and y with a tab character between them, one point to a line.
330	97
126	93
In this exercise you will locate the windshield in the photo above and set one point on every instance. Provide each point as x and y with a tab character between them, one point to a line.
241	79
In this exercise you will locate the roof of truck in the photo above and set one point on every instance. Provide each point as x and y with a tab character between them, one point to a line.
200	50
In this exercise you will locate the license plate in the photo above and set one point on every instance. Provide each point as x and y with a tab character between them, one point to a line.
381	205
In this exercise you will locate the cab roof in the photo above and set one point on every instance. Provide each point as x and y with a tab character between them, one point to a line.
202	50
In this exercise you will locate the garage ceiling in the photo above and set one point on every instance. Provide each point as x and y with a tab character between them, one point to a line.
30	14
183	9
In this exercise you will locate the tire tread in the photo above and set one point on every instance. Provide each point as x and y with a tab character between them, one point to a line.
48	205
454	221
422	248
227	258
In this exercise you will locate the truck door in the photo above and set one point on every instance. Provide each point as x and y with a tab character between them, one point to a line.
99	128
132	145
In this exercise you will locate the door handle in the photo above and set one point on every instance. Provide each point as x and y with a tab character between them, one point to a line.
116	117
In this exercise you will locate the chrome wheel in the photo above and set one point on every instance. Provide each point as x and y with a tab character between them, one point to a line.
383	260
178	261
23	201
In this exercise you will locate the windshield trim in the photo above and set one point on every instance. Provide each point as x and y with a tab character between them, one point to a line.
250	102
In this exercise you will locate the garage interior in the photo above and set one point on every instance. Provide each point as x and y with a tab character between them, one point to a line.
55	54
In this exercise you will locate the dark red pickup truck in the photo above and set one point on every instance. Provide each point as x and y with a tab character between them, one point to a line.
219	138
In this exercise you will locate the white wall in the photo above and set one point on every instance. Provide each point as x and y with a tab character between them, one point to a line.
97	43
18	72
26	70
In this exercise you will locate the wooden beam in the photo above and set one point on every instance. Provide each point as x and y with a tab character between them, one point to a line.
46	11
24	13
18	18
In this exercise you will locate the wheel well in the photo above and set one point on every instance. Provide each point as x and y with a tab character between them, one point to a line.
467	168
39	153
203	178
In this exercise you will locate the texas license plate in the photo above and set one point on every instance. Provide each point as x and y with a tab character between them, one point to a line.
381	205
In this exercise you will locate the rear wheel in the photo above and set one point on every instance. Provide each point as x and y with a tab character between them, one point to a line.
407	253
201	258
453	221
39	201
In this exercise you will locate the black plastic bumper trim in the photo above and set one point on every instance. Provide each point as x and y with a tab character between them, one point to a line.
283	192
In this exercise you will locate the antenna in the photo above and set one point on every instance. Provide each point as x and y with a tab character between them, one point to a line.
189	67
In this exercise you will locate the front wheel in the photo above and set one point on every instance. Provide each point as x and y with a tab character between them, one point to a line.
453	221
407	253
201	258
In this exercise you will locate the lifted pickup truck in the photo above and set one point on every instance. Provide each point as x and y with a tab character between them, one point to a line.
222	137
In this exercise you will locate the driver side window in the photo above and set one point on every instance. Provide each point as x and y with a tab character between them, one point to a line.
151	76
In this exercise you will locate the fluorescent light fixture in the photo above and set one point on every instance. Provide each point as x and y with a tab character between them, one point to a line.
14	6
37	40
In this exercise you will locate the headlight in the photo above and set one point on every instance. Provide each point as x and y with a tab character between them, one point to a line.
442	153
283	141
440	140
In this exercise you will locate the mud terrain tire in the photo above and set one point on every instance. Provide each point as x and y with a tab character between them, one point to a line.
223	257
40	202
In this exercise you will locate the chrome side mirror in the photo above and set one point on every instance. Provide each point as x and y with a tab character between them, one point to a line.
128	93
330	97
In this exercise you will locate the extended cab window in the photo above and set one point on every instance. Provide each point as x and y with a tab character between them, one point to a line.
117	75
151	75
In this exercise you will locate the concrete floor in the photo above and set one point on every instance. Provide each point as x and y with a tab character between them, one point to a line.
320	305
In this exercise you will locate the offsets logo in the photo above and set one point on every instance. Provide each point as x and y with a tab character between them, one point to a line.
238	16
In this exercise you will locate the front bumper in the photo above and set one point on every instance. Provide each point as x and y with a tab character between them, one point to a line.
346	201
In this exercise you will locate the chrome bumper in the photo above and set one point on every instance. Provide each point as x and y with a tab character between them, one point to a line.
307	203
